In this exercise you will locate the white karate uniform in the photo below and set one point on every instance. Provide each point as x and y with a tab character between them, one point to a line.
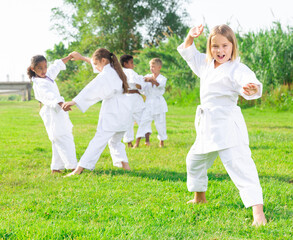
57	122
114	118
137	101
220	126
155	109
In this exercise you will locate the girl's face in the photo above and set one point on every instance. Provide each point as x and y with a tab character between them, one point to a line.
221	49
99	64
40	69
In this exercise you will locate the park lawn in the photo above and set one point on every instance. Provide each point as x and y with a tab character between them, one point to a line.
148	202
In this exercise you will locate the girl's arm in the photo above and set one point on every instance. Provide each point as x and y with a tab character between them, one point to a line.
193	33
66	59
246	83
77	56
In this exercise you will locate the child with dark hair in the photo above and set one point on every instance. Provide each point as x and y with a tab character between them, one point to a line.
135	82
115	114
57	122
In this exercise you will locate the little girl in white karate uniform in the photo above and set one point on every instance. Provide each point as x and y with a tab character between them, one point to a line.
219	123
57	122
115	114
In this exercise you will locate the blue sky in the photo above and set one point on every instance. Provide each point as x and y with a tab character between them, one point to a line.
25	25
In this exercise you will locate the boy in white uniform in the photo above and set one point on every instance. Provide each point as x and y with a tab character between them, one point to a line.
57	122
219	123
155	105
135	81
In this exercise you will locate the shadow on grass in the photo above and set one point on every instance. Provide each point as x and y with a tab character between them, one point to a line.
172	176
159	174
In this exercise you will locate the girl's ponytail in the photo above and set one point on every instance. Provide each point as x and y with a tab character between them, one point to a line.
30	73
116	65
104	53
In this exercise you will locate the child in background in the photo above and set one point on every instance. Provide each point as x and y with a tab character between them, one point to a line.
155	105
115	114
219	123
57	122
134	81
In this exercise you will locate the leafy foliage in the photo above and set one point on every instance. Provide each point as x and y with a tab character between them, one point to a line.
269	53
120	24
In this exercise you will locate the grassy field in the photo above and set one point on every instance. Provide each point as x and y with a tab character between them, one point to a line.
148	202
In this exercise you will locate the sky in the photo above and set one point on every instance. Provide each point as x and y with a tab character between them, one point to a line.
25	25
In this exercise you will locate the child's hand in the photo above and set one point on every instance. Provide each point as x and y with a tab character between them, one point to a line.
76	56
195	31
67	105
250	89
148	79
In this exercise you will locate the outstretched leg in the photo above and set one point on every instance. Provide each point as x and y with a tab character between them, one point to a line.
197	179
242	170
117	151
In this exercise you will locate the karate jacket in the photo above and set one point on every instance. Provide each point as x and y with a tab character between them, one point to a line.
132	79
116	110
57	122
219	122
155	102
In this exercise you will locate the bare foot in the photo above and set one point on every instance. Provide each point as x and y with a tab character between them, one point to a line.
259	218
55	171
161	145
199	197
77	171
125	166
147	144
135	146
130	145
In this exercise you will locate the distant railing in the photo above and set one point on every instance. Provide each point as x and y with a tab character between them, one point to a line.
23	88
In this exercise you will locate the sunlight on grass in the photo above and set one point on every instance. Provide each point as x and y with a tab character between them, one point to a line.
148	202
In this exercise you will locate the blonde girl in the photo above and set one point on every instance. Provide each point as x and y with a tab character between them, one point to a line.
219	123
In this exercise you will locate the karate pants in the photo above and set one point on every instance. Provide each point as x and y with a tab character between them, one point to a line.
129	134
146	126
64	155
239	165
97	146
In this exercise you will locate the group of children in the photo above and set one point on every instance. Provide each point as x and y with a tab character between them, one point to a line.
220	126
119	89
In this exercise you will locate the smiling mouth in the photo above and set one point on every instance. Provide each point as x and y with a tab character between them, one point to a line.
221	57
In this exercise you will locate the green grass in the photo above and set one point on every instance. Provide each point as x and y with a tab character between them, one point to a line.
148	202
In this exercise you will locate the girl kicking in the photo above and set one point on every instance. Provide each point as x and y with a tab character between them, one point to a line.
115	114
219	123
57	122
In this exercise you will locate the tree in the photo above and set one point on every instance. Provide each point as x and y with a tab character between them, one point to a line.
119	25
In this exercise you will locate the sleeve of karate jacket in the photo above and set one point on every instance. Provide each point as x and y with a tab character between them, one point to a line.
162	82
242	76
55	68
47	95
97	90
193	57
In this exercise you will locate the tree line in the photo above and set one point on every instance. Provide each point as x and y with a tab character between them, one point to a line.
154	28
